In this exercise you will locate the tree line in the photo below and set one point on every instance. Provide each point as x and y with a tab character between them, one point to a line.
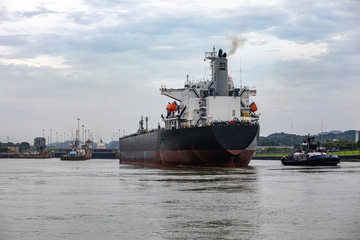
341	145
23	146
332	141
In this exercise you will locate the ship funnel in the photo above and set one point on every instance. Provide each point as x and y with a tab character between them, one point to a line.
220	74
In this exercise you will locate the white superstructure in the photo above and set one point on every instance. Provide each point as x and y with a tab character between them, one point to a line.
101	145
212	101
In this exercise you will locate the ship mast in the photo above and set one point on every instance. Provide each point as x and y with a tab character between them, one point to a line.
211	57
77	135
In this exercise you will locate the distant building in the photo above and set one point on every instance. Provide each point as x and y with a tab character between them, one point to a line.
13	148
40	144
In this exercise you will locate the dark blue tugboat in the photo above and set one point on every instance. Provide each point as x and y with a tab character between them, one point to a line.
310	155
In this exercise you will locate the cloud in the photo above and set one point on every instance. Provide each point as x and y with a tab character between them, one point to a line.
103	61
38	61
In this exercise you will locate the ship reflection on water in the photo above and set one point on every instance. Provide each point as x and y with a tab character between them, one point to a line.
97	199
210	204
187	203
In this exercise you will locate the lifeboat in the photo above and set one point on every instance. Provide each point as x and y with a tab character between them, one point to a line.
253	107
171	107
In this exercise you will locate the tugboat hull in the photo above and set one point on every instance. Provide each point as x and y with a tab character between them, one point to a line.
209	146
74	158
317	160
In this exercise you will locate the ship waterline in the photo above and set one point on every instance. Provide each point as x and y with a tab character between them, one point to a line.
210	146
187	158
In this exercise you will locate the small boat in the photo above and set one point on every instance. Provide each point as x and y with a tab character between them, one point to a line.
310	155
76	155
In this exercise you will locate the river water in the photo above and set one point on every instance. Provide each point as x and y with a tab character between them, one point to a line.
100	199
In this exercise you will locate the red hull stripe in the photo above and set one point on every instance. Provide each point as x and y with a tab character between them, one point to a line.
208	158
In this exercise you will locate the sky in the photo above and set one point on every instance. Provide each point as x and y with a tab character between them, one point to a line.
104	61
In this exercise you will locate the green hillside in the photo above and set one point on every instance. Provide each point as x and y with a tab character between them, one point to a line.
285	139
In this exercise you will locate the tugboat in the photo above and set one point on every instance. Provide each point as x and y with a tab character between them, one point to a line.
209	123
77	153
310	155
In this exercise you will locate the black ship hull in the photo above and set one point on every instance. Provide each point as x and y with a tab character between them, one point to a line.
209	146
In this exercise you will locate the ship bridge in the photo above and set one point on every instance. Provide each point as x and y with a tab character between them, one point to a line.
211	102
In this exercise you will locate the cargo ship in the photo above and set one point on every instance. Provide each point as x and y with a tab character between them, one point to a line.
208	123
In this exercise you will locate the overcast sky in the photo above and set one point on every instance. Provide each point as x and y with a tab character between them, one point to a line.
104	62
